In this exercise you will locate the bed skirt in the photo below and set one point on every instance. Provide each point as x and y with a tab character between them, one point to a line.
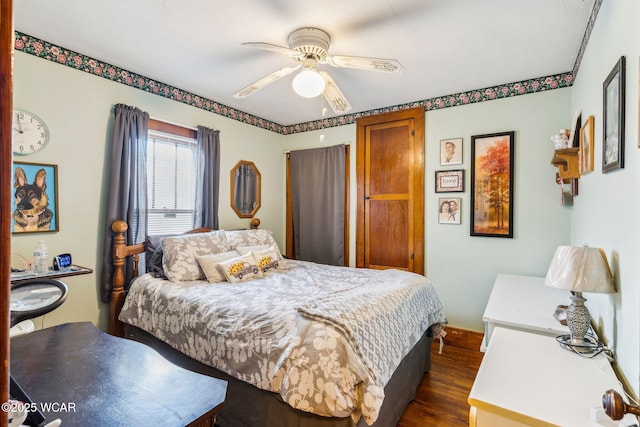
249	406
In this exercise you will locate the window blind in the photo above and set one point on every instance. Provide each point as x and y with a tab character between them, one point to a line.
171	171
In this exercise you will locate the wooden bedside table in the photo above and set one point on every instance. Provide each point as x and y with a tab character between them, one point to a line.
86	377
523	303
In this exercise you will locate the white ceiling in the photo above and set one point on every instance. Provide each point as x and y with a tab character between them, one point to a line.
445	46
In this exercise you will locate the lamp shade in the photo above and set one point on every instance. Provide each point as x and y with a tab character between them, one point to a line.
308	83
580	269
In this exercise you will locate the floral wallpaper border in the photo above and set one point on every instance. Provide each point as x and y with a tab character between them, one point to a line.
587	34
45	50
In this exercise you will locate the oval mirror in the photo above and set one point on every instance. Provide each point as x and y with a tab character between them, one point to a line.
245	189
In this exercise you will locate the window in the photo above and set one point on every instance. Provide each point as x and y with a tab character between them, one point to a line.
172	161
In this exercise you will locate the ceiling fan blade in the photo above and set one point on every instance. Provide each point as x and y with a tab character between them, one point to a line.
265	81
364	63
275	48
334	95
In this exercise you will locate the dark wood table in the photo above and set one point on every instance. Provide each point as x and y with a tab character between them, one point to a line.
86	377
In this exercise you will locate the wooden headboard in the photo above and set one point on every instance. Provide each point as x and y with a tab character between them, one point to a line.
120	253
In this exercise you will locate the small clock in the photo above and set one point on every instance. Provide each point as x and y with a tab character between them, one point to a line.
30	133
62	262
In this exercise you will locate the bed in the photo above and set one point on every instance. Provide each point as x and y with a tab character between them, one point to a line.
301	344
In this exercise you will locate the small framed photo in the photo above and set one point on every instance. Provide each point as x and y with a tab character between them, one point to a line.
35	198
449	210
450	181
451	152
613	122
586	146
576	125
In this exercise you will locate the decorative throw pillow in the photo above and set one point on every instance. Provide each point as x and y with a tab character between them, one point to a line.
240	269
268	258
153	253
179	258
154	264
209	265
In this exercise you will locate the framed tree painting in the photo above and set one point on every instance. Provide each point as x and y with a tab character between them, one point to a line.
613	122
35	198
492	184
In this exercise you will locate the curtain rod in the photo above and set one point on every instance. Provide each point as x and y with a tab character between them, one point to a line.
344	143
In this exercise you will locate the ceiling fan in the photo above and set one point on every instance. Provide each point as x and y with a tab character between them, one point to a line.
309	47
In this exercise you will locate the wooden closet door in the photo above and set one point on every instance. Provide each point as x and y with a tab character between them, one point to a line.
390	170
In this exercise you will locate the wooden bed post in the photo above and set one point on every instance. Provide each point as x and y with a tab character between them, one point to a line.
120	252
117	293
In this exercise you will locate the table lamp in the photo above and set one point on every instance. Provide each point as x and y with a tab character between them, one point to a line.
580	269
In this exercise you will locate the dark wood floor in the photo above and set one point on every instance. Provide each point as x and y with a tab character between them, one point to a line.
441	399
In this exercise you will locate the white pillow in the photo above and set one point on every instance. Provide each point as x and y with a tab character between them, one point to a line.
267	259
179	253
240	269
209	265
242	250
252	237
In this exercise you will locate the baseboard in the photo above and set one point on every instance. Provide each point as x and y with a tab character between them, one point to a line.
469	340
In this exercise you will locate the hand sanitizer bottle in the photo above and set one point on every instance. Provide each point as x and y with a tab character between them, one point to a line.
41	258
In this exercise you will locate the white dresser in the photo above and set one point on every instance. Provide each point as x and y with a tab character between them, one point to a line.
523	303
527	379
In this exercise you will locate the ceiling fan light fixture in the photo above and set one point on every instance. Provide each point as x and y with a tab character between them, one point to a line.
308	83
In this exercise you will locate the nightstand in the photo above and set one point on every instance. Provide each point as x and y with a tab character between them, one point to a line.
523	303
527	379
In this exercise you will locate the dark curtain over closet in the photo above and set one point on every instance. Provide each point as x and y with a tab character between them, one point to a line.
317	194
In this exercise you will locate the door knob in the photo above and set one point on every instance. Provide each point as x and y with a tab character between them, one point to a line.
615	407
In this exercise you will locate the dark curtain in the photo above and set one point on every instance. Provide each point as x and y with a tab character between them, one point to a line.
208	179
317	195
127	186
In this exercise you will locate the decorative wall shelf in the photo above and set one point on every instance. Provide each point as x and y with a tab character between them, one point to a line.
566	160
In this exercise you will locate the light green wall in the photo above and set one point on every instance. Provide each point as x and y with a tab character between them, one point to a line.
77	106
607	211
462	267
77	109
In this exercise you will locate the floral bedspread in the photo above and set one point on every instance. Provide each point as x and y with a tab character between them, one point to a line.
326	338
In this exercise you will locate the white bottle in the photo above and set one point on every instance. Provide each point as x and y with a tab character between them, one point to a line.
41	258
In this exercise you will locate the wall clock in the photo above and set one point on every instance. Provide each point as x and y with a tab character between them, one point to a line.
30	133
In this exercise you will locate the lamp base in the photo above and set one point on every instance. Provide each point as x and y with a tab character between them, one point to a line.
586	345
578	318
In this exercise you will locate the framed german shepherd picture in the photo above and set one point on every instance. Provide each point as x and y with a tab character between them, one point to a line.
35	198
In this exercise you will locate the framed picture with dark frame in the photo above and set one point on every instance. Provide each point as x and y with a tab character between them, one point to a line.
492	173
613	97
586	146
450	181
35	198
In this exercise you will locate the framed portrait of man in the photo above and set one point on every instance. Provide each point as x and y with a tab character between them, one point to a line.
451	152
